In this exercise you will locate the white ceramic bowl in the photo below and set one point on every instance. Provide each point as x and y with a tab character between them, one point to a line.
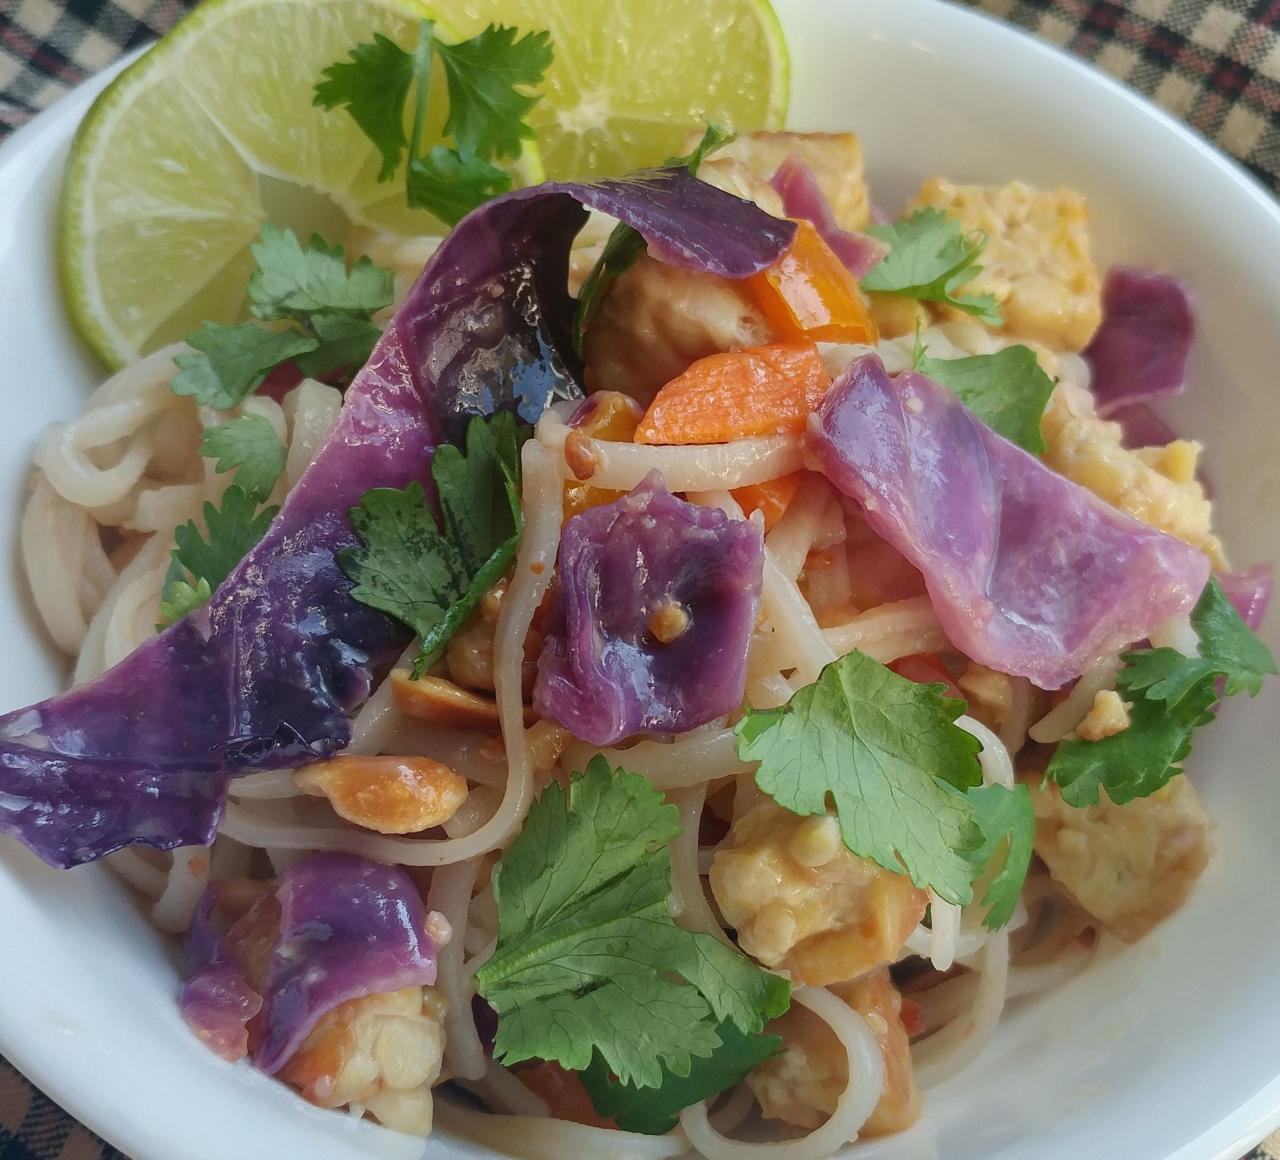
1171	1049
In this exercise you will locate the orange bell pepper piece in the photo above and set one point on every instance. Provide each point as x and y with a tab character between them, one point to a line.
765	390
771	498
613	416
809	293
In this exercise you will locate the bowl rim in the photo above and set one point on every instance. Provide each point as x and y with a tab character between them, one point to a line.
1227	1138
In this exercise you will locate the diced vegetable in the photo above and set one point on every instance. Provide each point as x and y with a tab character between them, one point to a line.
1029	573
809	293
649	634
771	498
607	415
767	390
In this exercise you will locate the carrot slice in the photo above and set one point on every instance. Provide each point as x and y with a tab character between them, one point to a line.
809	293
771	498
765	390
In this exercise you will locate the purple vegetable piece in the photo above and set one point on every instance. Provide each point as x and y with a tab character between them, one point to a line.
350	927
646	566
217	1000
266	674
1140	351
1029	573
802	197
263	676
1142	427
1249	592
492	318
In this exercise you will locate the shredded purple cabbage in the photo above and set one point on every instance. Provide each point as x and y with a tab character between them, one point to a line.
348	927
1140	351
802	197
1249	592
1142	427
266	675
217	1000
646	566
1029	573
491	327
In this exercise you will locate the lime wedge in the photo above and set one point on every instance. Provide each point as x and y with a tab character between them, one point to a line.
631	79
190	150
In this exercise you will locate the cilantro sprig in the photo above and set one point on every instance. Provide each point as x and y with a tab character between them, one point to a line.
429	575
328	308
249	446
931	258
654	1111
1170	696
1007	390
199	563
903	779
589	964
624	244
488	79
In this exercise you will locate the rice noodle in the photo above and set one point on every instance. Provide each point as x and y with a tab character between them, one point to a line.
689	904
693	759
132	866
855	1104
620	466
889	631
270	785
537	1138
1068	713
450	894
188	877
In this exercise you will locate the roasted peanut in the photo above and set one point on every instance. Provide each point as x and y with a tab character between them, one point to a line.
391	795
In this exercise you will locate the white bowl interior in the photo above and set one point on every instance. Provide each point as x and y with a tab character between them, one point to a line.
1168	1049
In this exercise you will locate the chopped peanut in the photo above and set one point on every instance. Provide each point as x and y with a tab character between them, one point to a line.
896	315
801	1085
1036	263
668	622
469	654
383	1051
1129	866
834	158
390	795
613	417
989	694
441	702
1154	485
823	919
1108	716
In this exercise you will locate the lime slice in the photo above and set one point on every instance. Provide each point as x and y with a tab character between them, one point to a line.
631	79
211	133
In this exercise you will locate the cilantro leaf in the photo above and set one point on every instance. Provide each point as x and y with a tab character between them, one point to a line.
1138	760
588	956
345	341
231	361
1007	819
450	185
654	1111
886	751
179	596
373	86
487	110
930	257
624	244
431	577
1007	390
1170	696
201	562
249	446
1227	642
295	283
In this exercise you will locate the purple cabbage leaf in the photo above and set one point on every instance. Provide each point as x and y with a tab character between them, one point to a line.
1139	353
1249	592
341	927
656	605
266	674
802	197
1029	573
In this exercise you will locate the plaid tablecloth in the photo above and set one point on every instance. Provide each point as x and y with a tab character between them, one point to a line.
1214	63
